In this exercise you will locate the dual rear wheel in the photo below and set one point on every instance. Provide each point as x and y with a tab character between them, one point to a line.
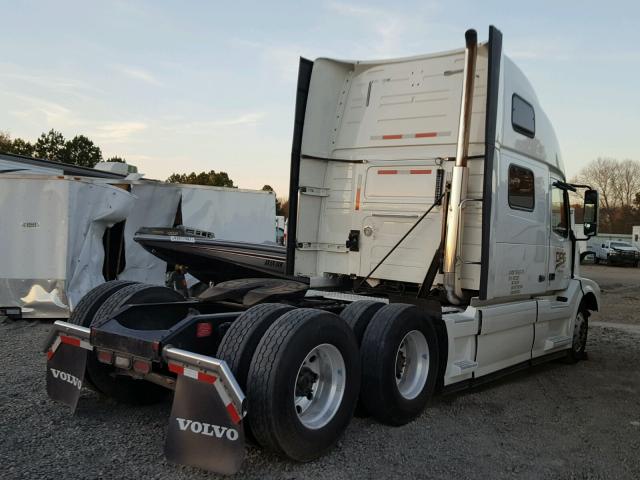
309	369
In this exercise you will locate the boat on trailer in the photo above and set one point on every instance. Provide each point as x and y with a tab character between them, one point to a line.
210	259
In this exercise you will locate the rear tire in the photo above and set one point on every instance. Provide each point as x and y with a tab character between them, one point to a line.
241	339
89	304
121	387
399	363
359	314
303	383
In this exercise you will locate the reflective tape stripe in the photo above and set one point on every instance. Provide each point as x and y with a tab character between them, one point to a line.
67	340
233	413
205	377
405	172
400	136
211	379
192	373
175	368
76	342
70	340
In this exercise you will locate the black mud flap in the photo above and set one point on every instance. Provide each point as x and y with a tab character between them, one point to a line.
201	431
65	373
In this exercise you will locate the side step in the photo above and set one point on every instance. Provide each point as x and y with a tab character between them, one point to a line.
463	366
558	341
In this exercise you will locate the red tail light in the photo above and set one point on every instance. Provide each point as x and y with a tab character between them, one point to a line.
204	329
104	356
140	366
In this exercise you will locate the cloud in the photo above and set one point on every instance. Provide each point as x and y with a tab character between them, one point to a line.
117	131
386	27
283	59
53	112
138	73
245	119
252	118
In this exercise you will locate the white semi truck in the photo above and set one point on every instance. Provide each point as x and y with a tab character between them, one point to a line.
429	249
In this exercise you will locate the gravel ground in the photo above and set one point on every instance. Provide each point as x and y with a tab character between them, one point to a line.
553	421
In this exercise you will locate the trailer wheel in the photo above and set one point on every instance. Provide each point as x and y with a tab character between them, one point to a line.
359	314
303	383
241	339
580	333
399	363
120	387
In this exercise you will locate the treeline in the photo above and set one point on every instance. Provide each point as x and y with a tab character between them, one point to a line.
211	178
618	182
79	150
83	152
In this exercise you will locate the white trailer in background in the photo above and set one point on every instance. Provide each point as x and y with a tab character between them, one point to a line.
51	231
635	236
230	213
52	227
429	212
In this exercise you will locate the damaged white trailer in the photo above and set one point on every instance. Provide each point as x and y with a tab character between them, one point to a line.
61	235
429	213
51	230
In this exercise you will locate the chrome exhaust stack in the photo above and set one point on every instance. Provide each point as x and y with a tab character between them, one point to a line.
452	264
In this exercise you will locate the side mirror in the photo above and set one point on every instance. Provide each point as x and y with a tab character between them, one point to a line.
590	210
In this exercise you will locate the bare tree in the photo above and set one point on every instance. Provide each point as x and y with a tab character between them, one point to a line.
602	175
628	182
619	185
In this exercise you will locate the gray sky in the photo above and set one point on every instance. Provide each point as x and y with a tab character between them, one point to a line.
182	86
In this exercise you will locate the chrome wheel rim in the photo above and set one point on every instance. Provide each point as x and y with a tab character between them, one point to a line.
579	333
319	386
412	364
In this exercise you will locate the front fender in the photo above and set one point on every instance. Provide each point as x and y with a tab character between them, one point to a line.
591	295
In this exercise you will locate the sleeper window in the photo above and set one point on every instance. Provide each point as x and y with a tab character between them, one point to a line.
521	188
523	117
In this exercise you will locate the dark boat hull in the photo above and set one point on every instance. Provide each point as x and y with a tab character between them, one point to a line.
211	260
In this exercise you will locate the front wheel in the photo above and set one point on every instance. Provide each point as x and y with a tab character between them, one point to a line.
303	383
580	332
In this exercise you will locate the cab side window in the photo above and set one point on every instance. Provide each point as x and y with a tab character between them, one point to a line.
521	188
559	210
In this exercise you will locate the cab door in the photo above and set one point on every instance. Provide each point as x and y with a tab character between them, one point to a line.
559	264
554	311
